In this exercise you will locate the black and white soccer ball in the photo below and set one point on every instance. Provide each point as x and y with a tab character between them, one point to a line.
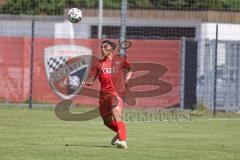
74	15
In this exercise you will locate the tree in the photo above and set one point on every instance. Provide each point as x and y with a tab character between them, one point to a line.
81	3
141	4
56	7
31	7
114	4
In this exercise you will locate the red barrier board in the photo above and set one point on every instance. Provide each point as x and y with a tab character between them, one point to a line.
155	82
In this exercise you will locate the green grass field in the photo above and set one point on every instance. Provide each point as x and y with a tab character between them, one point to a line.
38	135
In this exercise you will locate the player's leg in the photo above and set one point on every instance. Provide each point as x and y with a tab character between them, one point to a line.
105	109
120	124
117	115
106	113
110	122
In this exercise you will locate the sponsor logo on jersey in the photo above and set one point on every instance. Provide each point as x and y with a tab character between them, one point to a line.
110	70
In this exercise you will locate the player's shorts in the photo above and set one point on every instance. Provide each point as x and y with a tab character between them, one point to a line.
108	102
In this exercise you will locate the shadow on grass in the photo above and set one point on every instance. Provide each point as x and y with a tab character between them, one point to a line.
83	145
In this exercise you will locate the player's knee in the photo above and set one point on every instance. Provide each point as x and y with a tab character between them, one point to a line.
117	115
106	122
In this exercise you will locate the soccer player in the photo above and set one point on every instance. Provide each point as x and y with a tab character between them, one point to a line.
113	72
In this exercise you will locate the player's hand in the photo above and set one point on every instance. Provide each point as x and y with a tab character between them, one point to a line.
126	84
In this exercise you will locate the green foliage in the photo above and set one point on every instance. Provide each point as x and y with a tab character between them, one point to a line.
31	7
140	4
227	5
51	7
112	4
56	7
81	3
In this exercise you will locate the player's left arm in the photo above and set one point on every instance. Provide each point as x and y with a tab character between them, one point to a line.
128	76
93	73
129	70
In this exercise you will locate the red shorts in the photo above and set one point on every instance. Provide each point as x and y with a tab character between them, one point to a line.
108	103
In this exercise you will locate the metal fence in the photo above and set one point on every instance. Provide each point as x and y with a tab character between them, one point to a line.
227	75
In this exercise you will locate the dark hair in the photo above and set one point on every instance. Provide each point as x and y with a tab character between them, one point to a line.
114	46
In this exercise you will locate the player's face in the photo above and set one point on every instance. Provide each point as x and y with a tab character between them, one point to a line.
106	50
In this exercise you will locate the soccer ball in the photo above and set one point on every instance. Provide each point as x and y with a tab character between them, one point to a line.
74	15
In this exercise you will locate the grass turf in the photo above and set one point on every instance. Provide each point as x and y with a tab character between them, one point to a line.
38	135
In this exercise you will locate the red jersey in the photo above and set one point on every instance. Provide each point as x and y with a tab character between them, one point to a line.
111	74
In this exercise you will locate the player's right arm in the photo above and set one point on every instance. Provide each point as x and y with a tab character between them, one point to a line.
92	76
129	69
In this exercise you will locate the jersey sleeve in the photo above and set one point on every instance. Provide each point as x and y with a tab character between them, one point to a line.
93	73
